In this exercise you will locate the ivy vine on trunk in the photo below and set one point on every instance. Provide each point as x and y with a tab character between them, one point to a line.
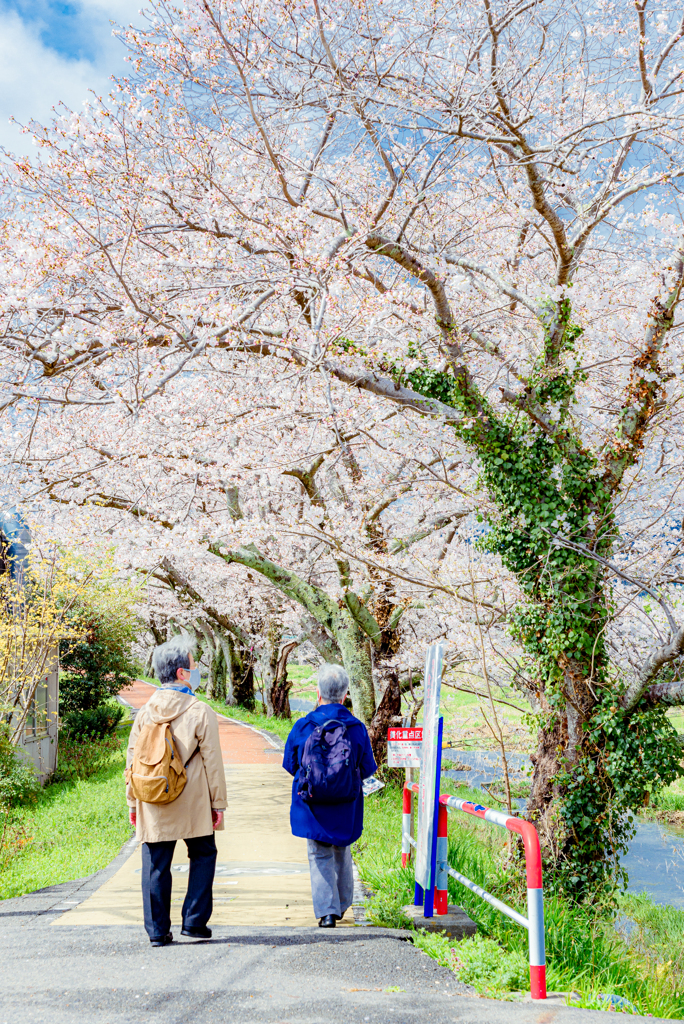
602	746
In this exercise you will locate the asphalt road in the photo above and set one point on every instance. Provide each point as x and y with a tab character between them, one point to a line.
111	975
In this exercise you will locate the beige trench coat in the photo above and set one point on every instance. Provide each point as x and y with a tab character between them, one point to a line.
192	723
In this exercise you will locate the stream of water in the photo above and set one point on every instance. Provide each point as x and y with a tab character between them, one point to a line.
654	860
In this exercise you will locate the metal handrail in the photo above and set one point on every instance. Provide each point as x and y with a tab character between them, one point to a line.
534	922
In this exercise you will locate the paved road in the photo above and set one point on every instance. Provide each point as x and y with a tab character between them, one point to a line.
111	975
73	954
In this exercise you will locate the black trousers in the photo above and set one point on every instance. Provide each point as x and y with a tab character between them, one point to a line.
156	884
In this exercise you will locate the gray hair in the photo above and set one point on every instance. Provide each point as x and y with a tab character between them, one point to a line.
171	656
333	682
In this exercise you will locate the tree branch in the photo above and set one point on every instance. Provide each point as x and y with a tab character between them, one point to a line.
315	600
646	379
661	693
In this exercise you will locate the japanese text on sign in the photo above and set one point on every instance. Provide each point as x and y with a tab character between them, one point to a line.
406	734
404	747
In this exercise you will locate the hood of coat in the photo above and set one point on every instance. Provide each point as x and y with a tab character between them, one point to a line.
165	705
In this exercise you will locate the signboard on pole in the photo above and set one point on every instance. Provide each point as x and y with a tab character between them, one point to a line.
404	747
432	685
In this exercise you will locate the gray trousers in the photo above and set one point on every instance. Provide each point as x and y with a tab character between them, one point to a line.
332	878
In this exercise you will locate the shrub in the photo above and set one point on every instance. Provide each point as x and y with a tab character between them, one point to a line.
18	782
81	759
96	665
98	660
93	723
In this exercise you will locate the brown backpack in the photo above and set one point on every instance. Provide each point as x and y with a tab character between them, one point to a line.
157	775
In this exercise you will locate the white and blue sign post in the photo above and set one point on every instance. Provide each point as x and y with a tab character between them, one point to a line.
430	772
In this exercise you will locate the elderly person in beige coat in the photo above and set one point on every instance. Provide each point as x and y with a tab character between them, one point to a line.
196	813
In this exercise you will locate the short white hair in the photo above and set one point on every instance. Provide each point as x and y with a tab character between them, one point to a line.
171	656
333	682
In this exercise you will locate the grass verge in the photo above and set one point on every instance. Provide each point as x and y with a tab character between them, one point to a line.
75	827
584	952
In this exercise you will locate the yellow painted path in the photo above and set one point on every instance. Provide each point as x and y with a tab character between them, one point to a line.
262	873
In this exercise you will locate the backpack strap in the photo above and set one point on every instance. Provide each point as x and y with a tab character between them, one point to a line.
174	738
176	742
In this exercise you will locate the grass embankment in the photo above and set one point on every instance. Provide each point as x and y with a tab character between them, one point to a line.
584	953
280	727
75	827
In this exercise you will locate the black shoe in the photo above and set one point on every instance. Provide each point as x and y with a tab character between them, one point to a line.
196	933
165	940
329	921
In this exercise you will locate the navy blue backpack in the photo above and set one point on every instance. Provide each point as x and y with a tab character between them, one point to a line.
328	773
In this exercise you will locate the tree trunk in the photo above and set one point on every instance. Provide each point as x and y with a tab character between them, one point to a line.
241	677
277	693
593	765
354	648
387	713
326	646
216	685
274	635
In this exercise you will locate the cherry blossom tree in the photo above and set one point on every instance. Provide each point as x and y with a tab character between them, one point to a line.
468	211
350	517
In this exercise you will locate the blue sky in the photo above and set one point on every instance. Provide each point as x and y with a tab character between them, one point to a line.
51	51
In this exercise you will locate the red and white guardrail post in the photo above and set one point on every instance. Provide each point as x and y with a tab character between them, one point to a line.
406	826
535	904
534	922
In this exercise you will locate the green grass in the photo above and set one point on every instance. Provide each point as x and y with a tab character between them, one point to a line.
584	953
671	798
658	935
74	828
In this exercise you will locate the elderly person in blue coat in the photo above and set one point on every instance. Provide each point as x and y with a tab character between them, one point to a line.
329	827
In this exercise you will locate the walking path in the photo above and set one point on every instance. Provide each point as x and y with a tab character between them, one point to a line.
262	872
77	952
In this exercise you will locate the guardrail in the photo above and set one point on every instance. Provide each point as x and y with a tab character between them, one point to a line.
534	922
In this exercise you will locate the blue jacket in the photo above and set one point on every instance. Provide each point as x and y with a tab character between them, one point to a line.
339	824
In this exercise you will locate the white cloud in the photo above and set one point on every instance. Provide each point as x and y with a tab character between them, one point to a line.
35	78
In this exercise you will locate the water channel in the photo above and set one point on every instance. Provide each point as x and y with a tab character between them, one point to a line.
654	860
